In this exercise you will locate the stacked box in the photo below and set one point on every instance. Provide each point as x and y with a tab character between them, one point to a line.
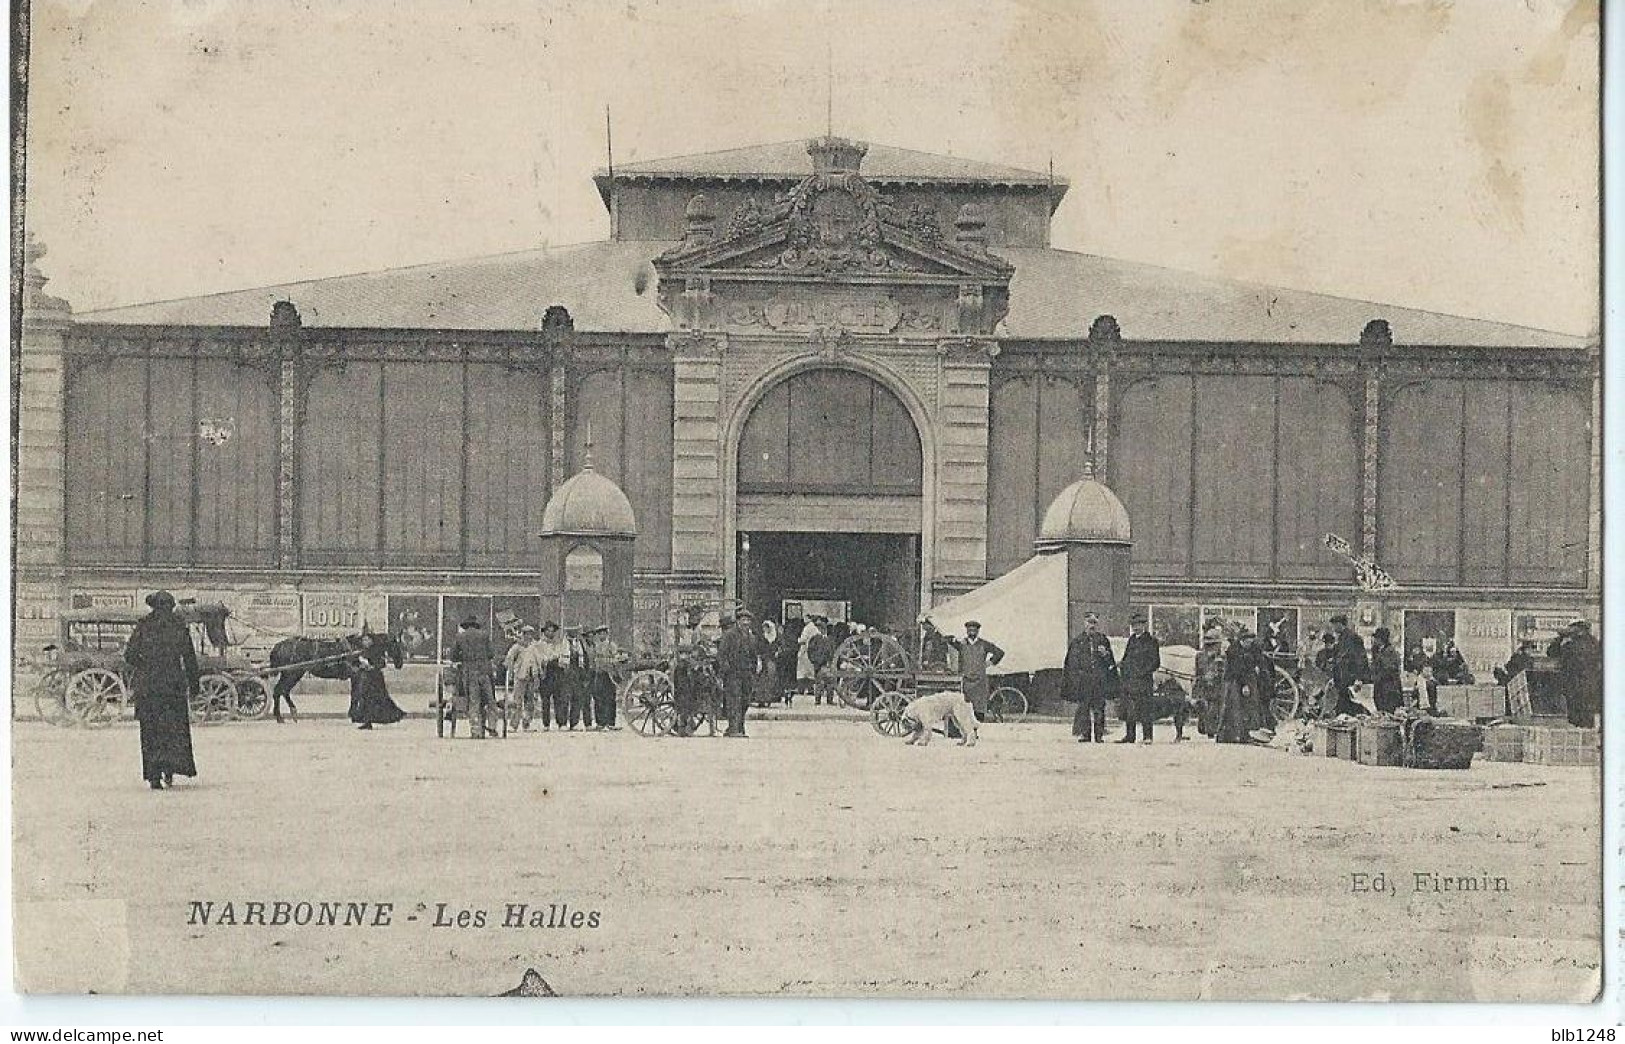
1561	745
1473	702
1535	697
1379	742
1504	742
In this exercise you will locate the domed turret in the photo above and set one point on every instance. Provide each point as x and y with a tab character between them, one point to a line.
589	504
1085	512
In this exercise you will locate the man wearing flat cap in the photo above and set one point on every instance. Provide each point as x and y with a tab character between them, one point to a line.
738	659
1141	659
1579	665
472	654
976	655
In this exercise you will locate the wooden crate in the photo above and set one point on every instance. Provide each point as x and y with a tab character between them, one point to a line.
1535	697
1379	742
1473	702
1561	745
1343	741
1504	742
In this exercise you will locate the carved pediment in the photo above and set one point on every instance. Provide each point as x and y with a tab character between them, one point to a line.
830	225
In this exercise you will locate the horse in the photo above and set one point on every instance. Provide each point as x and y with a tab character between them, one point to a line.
303	650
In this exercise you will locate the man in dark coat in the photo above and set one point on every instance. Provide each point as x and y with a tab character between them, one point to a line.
1519	662
1141	659
1579	664
1349	667
472	654
738	657
164	665
1090	678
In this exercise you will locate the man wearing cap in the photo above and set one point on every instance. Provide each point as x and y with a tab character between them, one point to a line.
738	658
976	655
471	652
1348	665
1579	664
1141	659
1091	679
521	688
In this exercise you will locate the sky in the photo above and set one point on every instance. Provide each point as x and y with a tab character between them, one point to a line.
1439	154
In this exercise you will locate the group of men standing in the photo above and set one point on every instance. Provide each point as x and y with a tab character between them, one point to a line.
564	679
1093	675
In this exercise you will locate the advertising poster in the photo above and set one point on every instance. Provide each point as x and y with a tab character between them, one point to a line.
1245	615
1542	625
330	614
36	616
414	619
1423	632
1484	637
101	600
1177	625
1283	622
260	619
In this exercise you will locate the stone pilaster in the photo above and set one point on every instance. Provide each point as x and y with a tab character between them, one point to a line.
697	522
1370	439
961	492
1100	425
288	392
558	420
1594	535
41	405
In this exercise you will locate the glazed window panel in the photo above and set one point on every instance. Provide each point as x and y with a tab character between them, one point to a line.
830	431
1419	482
599	402
764	445
647	478
1151	471
1012	519
236	480
508	462
1318	468
339	447
171	437
1234	476
422	453
830	413
105	463
1484	535
584	569
1065	415
1550	477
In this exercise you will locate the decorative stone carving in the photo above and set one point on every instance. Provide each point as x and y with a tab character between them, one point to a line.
285	316
833	342
1377	335
699	222
691	344
747	219
970	228
1104	332
968	349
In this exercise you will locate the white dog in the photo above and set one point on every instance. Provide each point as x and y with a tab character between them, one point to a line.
933	711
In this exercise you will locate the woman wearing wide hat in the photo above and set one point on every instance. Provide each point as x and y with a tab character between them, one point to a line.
164	666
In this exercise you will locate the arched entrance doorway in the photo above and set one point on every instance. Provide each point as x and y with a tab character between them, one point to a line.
829	494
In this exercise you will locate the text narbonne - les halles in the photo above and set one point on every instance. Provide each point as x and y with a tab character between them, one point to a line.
281	913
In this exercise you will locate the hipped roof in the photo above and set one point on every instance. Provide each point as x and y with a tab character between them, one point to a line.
610	287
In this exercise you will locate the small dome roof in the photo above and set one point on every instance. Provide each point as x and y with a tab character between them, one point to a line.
588	504
1086	510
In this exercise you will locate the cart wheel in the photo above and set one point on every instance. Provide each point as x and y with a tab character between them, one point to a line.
886	713
95	696
1006	703
253	698
867	665
651	705
216	695
1284	701
49	697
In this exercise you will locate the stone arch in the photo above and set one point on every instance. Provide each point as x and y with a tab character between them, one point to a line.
746	401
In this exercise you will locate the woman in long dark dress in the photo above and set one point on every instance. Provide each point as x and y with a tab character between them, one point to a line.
164	666
370	703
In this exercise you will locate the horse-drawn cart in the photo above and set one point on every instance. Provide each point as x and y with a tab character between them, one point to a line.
89	684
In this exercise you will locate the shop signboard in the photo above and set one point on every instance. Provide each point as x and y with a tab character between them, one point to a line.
1243	615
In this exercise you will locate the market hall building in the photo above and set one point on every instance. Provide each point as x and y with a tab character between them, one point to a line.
818	371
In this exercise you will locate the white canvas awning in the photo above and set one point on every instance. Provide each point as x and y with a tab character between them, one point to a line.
1024	613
